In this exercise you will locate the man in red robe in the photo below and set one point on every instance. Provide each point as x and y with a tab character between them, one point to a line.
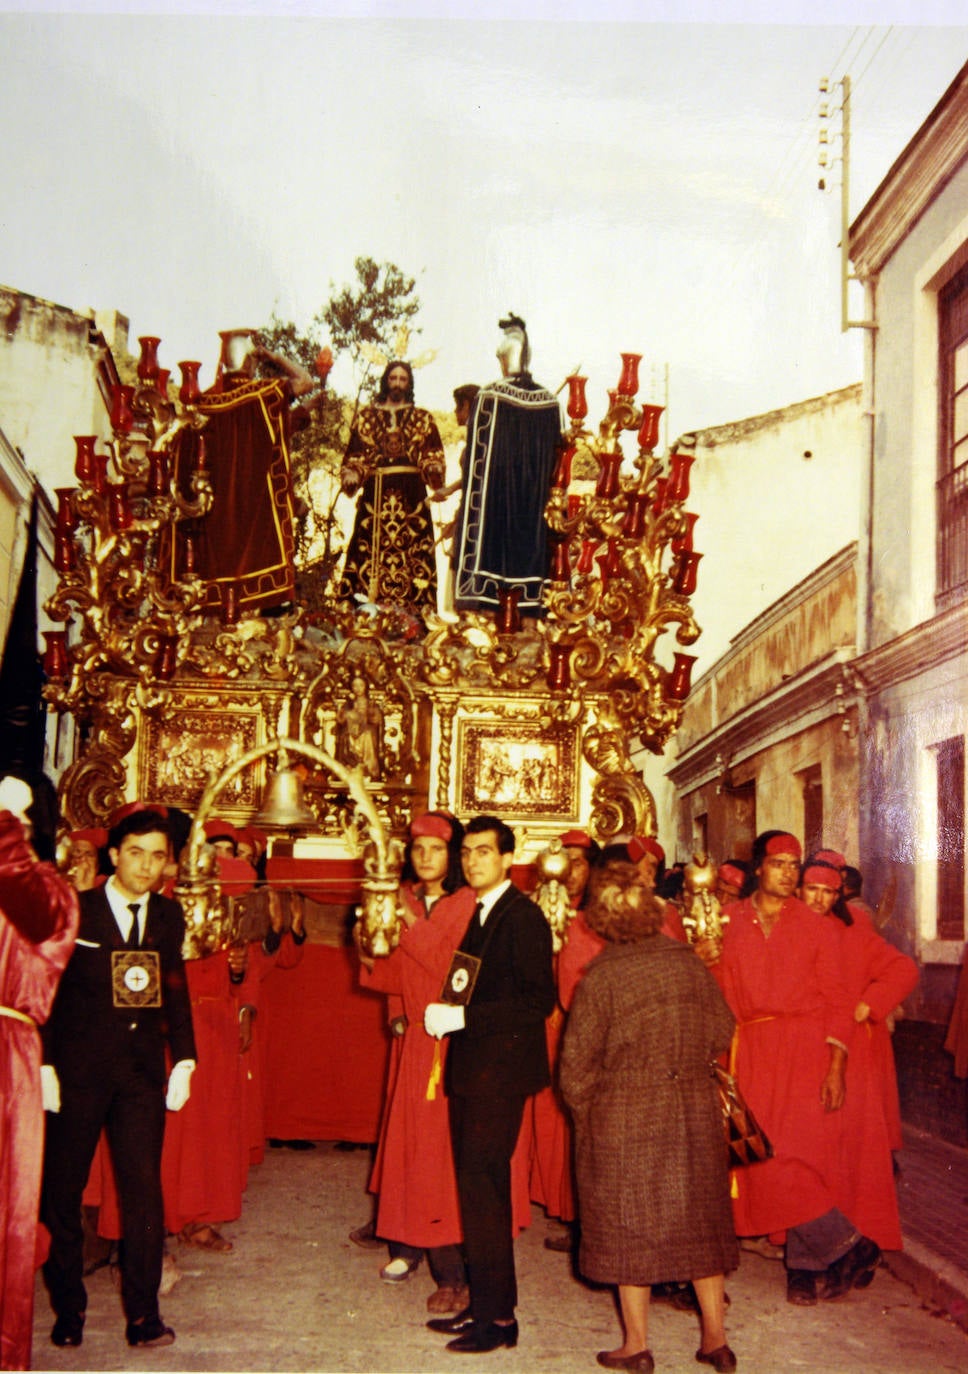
781	970
879	977
38	926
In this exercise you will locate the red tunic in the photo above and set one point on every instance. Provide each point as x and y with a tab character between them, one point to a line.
880	975
204	1161
36	900
550	1177
413	1170
258	967
788	994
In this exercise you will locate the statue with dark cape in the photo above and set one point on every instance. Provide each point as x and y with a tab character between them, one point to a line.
512	448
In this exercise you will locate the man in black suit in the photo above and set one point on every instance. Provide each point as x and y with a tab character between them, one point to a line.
123	1000
497	1058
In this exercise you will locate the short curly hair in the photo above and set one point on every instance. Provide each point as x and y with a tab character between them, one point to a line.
622	907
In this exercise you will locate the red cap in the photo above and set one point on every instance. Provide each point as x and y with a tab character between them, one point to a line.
784	844
98	837
729	873
821	875
431	824
216	828
576	839
640	845
831	856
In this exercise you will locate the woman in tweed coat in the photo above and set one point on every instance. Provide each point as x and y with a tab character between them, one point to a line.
653	1186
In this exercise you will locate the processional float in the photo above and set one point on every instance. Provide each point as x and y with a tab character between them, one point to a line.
182	706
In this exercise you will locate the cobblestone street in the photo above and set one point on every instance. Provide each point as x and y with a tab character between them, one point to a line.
296	1295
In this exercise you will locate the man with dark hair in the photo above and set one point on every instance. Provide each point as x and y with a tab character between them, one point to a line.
464	398
496	1059
500	548
781	970
396	456
122	1002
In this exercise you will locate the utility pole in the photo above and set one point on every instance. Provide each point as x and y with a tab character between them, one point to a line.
846	276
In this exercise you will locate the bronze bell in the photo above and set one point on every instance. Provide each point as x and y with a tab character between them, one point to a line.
283	807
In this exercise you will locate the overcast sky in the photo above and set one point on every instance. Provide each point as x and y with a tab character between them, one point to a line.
639	186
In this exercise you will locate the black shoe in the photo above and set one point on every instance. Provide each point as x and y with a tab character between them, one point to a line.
853	1270
68	1330
722	1359
452	1326
151	1331
366	1237
483	1336
801	1287
562	1241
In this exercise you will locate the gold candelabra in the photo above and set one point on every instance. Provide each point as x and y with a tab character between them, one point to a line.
112	534
702	917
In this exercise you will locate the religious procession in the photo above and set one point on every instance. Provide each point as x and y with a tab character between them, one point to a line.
433	773
483	867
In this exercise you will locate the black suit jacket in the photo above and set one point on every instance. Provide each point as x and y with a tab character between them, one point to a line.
502	1050
86	1035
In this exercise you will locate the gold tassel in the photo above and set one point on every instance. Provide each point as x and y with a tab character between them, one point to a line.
436	1073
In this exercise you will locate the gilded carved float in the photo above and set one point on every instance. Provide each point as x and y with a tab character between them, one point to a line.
464	712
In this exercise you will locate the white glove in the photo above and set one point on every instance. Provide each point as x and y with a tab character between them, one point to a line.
440	1019
15	797
179	1085
49	1088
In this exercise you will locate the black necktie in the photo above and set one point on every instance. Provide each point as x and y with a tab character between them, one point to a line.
134	934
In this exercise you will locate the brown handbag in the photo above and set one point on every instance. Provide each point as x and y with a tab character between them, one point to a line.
746	1141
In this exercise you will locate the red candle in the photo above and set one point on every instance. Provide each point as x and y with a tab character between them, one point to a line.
679	465
628	382
84	464
230	605
683	544
686	573
609	465
148	362
508	616
585	562
122	416
157	472
166	659
65	554
633	526
66	517
649	427
189	391
560	562
563	469
120	514
680	677
55	660
610	563
577	405
559	669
